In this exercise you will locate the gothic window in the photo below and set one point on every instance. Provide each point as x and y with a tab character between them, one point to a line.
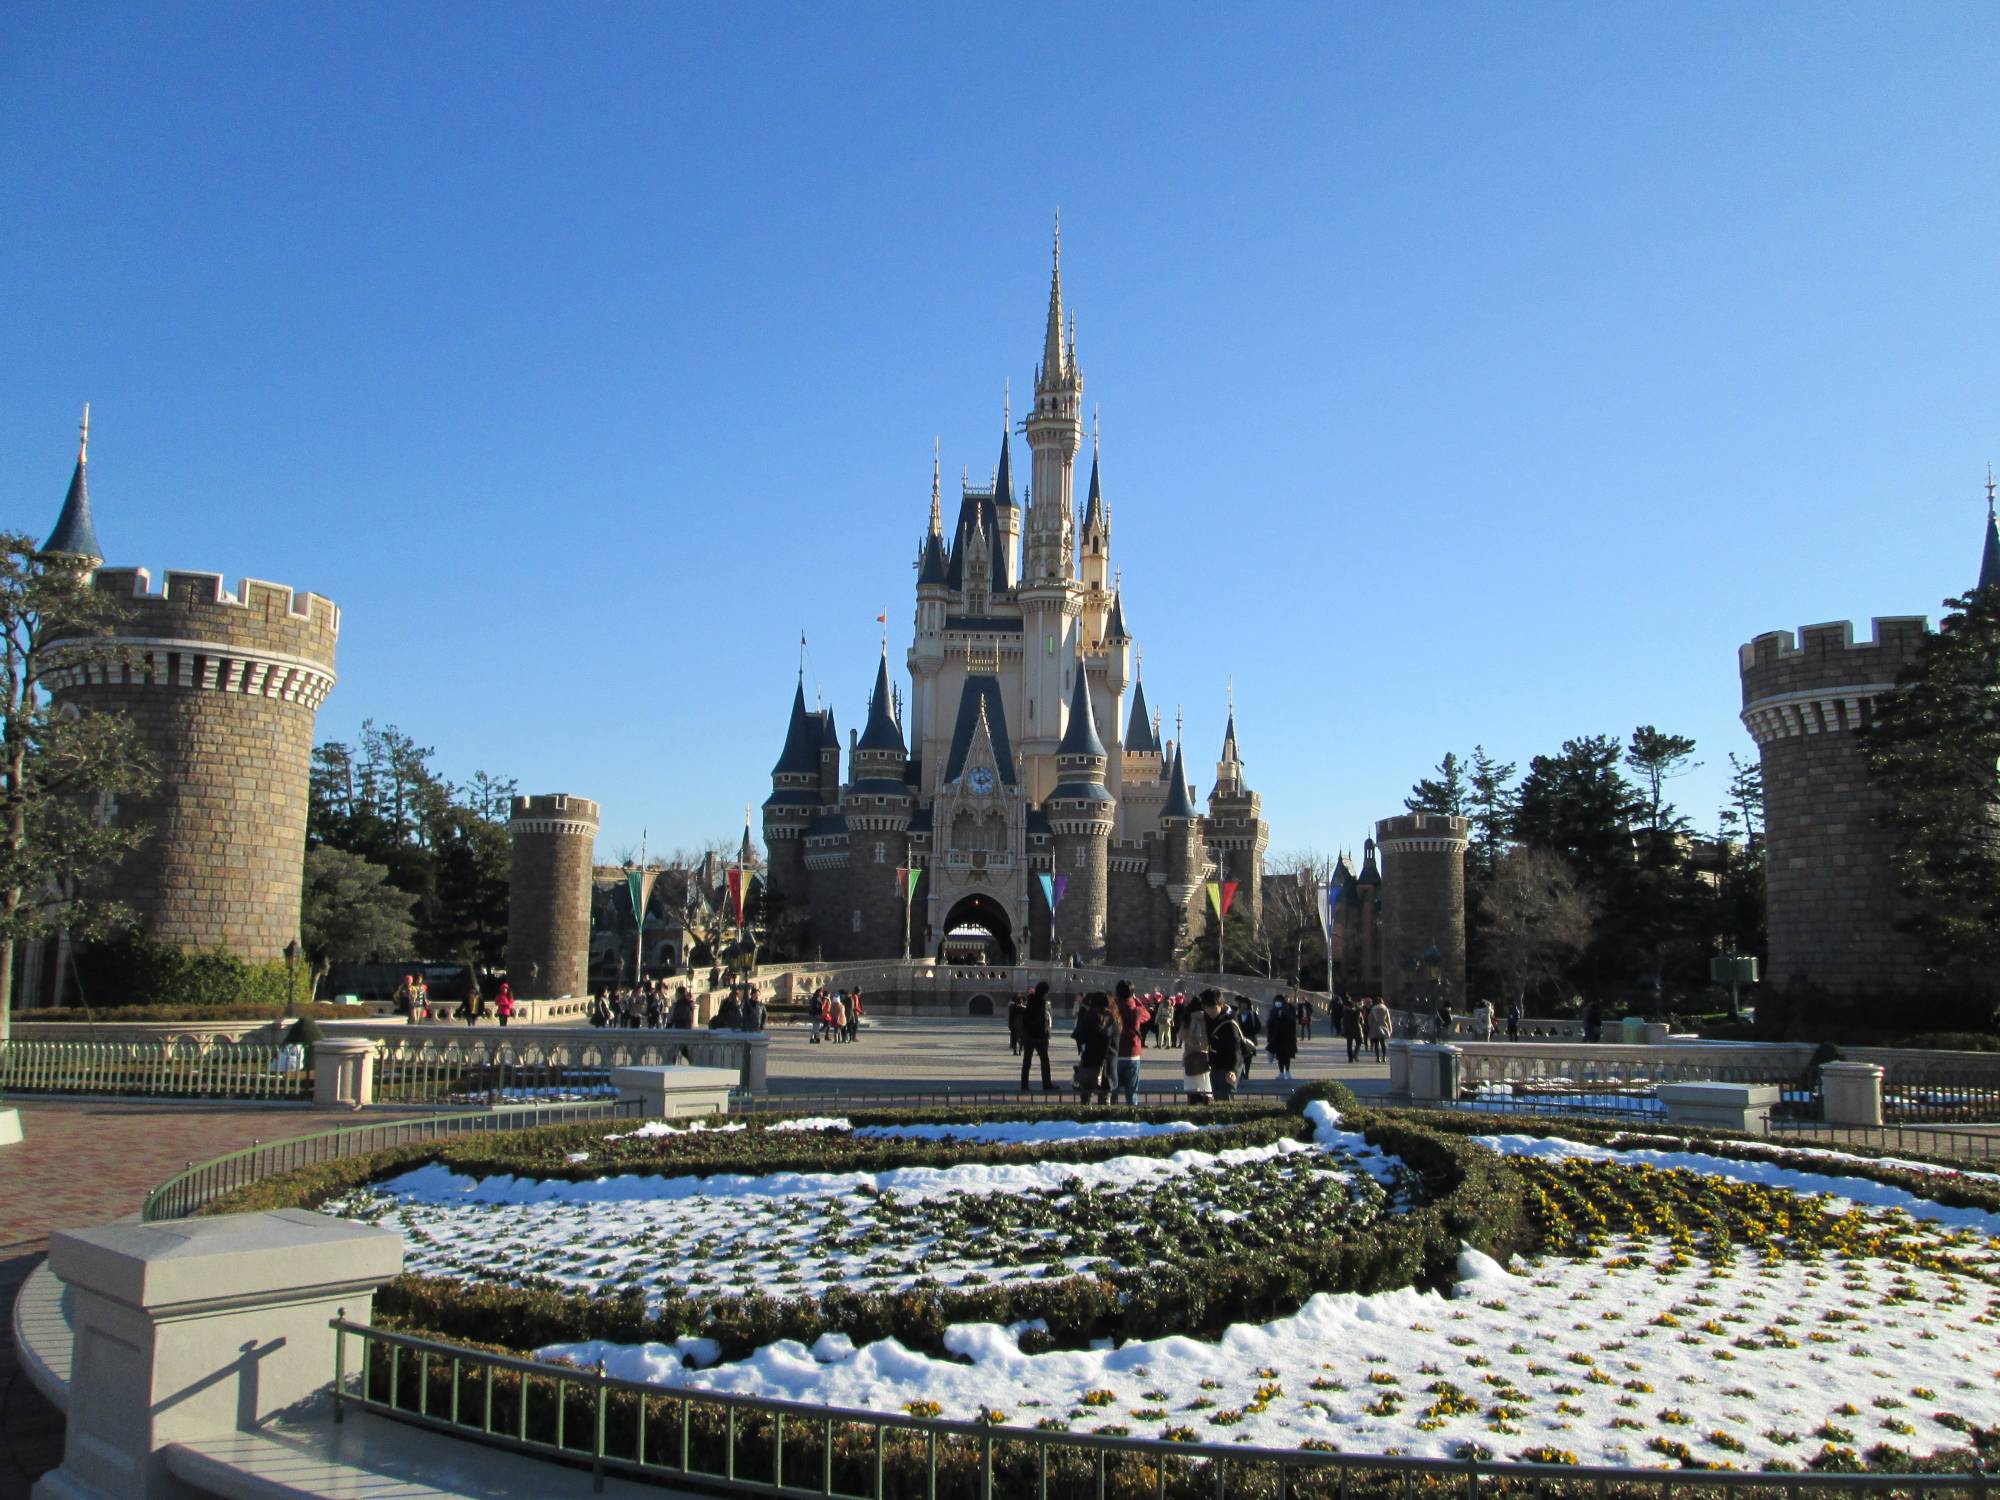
857	921
881	852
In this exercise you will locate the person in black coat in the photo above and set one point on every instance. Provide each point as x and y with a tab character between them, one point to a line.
1036	1023
1228	1050
1284	1037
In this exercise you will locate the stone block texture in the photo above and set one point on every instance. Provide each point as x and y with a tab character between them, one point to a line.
1830	897
1423	902
223	690
548	911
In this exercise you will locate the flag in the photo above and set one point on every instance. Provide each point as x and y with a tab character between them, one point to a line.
1332	905
882	619
736	883
635	883
1062	884
915	874
1220	894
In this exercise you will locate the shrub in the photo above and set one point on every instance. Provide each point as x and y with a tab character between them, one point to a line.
136	971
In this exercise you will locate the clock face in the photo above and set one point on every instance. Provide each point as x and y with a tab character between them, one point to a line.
980	780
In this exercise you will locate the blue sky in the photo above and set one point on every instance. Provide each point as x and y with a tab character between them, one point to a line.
1481	373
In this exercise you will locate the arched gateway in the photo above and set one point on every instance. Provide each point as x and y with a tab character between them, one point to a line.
978	931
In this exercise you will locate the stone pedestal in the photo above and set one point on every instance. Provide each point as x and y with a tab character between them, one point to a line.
10	1126
197	1328
343	1073
676	1093
1399	1068
1433	1073
1851	1093
1742	1107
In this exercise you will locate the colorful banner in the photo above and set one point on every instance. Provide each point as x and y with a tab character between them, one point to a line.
1053	887
1332	906
1062	884
910	894
737	881
1220	894
635	886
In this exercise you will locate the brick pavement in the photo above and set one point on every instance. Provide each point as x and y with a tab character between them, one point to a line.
82	1164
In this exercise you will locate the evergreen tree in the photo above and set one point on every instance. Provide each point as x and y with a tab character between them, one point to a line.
350	911
1491	804
56	770
1443	794
1656	759
1933	748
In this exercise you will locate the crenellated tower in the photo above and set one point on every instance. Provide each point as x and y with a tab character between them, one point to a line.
877	805
1081	811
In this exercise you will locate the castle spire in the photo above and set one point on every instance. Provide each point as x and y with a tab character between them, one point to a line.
1179	805
1080	737
937	486
1989	558
1053	368
74	536
882	733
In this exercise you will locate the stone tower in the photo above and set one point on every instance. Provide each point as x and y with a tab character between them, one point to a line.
1237	833
548	911
1423	902
1051	598
1829	899
223	689
1081	811
878	804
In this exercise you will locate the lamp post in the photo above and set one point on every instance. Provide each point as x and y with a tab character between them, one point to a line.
291	973
1433	965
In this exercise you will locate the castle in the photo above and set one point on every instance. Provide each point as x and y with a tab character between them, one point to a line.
1011	809
223	689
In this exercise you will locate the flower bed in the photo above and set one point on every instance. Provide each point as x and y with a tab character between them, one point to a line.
1266	1279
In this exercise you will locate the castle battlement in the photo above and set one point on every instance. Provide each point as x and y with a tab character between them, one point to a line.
1411	832
275	602
553	812
1896	638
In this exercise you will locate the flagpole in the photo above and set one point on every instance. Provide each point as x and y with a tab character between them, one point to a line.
639	916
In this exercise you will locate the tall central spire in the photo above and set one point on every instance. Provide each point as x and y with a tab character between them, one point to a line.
937	492
1053	367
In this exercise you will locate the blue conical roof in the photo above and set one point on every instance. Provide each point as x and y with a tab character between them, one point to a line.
1139	728
1989	560
1080	738
883	732
1114	628
932	569
1093	510
801	752
74	536
1179	805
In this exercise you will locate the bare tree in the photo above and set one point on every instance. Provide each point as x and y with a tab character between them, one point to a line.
1537	918
1291	935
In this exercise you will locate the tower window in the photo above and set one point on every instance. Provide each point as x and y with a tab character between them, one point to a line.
881	851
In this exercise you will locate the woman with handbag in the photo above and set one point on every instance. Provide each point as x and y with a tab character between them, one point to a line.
1193	1021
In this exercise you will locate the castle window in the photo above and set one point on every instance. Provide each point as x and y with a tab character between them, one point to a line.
857	921
881	852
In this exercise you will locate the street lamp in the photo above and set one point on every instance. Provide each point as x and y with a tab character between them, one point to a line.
291	971
1433	962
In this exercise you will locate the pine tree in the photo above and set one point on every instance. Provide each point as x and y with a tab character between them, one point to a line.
1933	748
1657	759
1444	795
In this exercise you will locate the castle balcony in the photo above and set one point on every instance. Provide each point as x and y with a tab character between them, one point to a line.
979	859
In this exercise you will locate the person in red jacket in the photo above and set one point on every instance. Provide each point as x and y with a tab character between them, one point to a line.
1132	1016
504	1004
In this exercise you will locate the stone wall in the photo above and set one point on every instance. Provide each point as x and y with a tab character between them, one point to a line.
222	690
548	912
1830	891
1081	917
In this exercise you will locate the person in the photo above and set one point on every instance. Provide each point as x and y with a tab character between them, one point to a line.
600	1009
1284	1035
1097	1025
1593	1021
1482	1021
1149	1025
1442	1017
681	1018
1514	1019
1133	1020
1379	1025
1252	1029
1036	1023
423	993
656	1006
1015	1010
854	1015
753	1011
1304	1011
1193	1028
728	1015
1351	1022
836	1017
503	1003
1229	1049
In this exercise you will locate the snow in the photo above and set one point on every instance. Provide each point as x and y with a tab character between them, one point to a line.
1003	1133
1821	1153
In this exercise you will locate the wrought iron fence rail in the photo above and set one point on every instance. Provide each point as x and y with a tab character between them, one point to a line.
203	1182
740	1443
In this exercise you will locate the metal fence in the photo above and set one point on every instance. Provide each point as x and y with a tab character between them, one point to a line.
184	1069
1910	1094
447	1076
203	1182
747	1445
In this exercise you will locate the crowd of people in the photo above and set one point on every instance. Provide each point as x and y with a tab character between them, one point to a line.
414	1004
835	1015
651	1004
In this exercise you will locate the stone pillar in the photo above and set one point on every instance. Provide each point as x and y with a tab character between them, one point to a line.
1399	1067
343	1072
1423	903
548	912
10	1126
197	1328
671	1093
1433	1073
1851	1093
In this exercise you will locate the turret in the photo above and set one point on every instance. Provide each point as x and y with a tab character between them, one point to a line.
1142	788
1236	827
876	811
1094	551
1081	811
828	758
548	909
1423	906
794	798
74	537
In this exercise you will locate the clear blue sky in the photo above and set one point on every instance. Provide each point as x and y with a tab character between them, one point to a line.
1473	373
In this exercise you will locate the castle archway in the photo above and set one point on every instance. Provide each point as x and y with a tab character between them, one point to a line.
977	931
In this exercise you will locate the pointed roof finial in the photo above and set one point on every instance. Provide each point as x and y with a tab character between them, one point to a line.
1006	405
1052	342
74	536
83	444
1989	556
1139	664
1989	467
1094	412
937	494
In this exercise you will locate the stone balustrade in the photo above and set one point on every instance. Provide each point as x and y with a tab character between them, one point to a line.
586	1049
